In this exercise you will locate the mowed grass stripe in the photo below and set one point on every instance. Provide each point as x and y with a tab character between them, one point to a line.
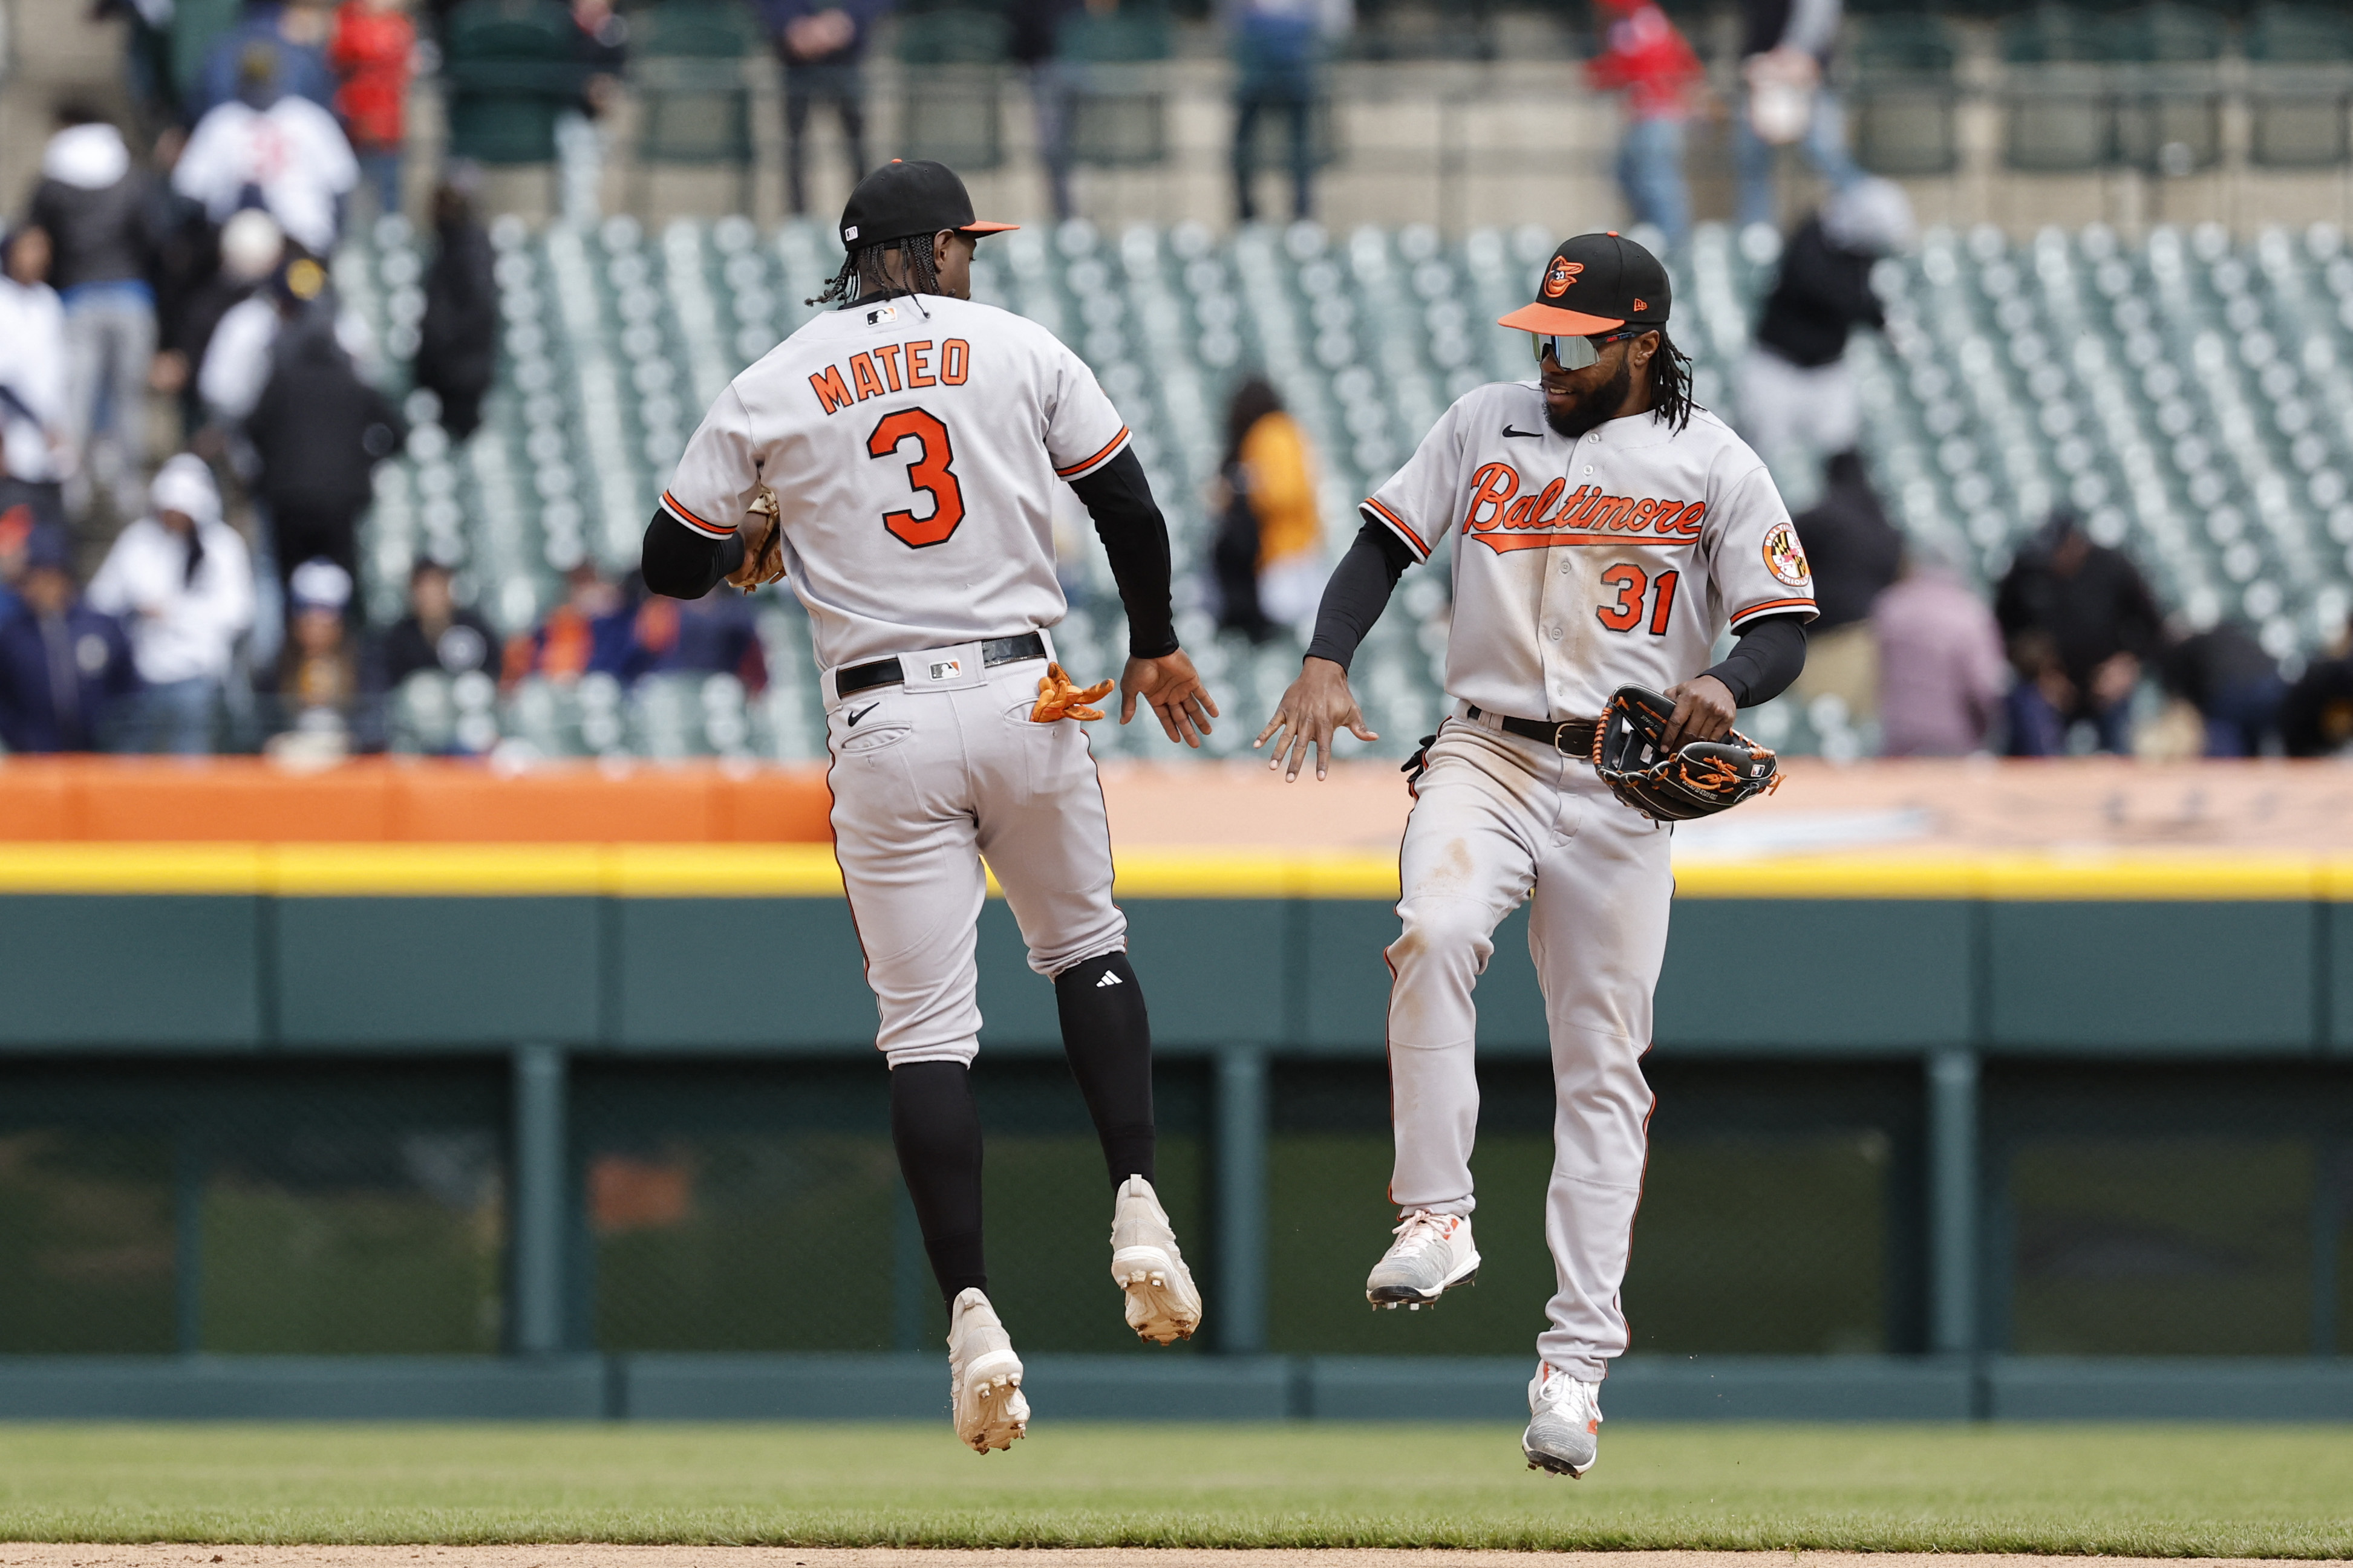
2139	1490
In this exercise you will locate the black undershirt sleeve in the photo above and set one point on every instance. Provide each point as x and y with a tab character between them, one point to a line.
1135	537
1357	592
1770	654
682	564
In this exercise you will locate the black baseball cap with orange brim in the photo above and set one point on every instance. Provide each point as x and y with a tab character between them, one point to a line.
1595	283
900	199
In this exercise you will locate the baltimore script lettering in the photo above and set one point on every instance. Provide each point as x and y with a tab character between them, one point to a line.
1501	519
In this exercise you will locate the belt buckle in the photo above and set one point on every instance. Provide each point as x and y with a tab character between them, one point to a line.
1559	734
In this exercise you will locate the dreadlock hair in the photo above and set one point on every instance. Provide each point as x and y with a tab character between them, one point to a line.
1670	383
861	272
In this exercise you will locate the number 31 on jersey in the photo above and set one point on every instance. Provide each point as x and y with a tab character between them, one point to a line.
1633	584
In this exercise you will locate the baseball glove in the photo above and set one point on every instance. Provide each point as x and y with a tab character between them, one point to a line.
763	546
1699	778
1059	697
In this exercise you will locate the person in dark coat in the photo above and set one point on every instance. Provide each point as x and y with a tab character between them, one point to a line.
822	45
458	340
2317	715
2234	685
1855	553
437	634
319	430
1796	396
2081	624
64	667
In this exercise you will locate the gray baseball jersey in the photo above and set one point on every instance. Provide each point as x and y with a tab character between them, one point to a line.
1582	565
912	446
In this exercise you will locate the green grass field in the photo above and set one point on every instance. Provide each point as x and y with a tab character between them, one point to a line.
2143	1490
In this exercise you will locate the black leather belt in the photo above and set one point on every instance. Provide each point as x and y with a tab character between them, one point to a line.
1570	737
886	671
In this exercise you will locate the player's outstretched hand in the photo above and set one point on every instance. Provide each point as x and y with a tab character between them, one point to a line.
1318	703
1704	711
1175	693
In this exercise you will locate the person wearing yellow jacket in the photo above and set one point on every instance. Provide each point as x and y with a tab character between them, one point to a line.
1268	556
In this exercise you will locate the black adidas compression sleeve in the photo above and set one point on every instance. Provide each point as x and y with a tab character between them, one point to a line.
1770	654
1357	592
682	564
1135	537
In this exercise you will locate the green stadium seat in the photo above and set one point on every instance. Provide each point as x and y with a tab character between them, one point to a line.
509	67
694	97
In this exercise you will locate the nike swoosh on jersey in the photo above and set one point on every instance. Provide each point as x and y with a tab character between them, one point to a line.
1524	435
861	713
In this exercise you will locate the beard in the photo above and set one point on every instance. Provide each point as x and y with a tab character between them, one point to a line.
1595	406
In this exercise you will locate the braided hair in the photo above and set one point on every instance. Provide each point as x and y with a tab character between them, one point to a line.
1670	383
862	275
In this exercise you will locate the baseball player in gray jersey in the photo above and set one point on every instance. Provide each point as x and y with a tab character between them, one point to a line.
895	459
1602	531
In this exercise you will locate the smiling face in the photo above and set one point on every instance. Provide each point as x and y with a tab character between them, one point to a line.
1613	386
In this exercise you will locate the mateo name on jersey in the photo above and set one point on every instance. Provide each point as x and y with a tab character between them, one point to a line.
1501	519
877	372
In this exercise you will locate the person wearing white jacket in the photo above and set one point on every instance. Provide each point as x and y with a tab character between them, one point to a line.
182	582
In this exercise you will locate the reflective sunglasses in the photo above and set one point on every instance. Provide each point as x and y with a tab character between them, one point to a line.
1575	353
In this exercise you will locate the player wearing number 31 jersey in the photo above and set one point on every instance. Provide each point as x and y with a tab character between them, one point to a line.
896	458
1602	532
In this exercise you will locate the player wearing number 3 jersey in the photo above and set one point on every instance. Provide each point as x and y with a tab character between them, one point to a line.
1602	531
896	460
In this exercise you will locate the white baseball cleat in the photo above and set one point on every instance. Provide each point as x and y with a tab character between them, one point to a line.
1563	1423
1431	1255
1163	1304
984	1376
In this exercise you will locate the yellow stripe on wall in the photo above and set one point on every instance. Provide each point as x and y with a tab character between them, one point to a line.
809	871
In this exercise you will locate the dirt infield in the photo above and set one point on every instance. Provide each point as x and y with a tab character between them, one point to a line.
44	1555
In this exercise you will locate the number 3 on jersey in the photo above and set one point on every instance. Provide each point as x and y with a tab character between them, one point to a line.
1631	584
929	474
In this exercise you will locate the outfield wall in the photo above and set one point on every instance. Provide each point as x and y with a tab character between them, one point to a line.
1889	1088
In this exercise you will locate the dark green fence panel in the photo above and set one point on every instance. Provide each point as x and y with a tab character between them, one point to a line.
439	972
2158	975
738	975
1214	969
159	970
1816	974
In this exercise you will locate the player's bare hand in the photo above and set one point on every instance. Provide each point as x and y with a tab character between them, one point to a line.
1173	690
1318	704
1704	711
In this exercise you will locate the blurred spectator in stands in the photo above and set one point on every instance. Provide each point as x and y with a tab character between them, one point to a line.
1855	552
1035	48
2233	684
374	51
458	340
222	273
438	633
2317	715
147	48
180	580
1941	673
590	632
1268	558
318	681
715	635
601	44
16	530
65	668
36	449
1796	396
1784	47
318	429
2081	624
272	149
821	44
94	203
1278	47
187	260
294	35
1647	55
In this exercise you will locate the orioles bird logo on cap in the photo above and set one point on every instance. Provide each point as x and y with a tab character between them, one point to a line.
1562	273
